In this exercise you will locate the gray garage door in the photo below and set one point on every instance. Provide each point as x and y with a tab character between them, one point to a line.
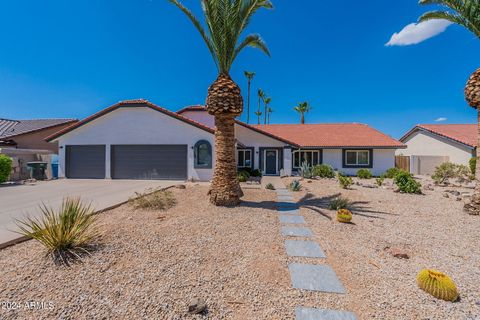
85	162
149	162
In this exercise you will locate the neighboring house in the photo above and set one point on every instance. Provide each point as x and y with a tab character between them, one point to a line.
136	139
429	145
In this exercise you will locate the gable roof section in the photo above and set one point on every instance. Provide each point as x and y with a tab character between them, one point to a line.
12	128
341	135
129	103
462	133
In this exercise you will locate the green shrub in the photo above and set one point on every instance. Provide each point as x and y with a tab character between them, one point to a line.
345	182
392	173
406	183
364	174
323	171
472	164
305	171
5	167
269	186
339	203
66	234
447	170
156	200
244	173
295	185
256	173
379	181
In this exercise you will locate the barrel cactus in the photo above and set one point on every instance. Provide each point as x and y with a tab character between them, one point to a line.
437	284
344	216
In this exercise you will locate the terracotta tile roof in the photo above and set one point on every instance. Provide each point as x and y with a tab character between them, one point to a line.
332	135
463	133
131	103
192	108
11	128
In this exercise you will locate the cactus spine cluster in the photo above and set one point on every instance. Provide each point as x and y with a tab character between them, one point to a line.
437	284
344	215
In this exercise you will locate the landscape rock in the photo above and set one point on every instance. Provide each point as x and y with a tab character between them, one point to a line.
399	253
197	306
180	186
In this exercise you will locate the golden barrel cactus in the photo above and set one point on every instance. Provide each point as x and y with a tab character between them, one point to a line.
437	284
344	216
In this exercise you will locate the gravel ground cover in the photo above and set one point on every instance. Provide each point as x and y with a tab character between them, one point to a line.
151	264
431	228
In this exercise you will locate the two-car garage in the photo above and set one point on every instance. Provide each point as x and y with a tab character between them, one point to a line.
142	162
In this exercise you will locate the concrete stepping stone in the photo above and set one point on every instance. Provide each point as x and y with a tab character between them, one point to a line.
296	231
292	219
322	314
315	278
309	249
289	211
285	199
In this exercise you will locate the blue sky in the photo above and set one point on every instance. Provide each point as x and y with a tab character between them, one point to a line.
72	58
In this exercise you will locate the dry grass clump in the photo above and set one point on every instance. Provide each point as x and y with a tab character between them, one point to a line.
66	234
154	200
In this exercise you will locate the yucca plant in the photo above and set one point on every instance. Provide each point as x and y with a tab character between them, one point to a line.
67	234
306	171
465	13
225	23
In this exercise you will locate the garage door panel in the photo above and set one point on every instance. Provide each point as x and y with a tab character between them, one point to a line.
149	162
85	161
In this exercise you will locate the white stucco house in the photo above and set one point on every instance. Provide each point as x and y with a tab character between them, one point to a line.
137	139
429	145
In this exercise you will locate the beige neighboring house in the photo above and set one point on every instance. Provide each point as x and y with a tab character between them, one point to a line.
429	145
24	141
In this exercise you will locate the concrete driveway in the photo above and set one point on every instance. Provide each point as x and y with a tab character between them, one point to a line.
18	201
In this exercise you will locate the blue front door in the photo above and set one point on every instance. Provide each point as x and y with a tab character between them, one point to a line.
271	162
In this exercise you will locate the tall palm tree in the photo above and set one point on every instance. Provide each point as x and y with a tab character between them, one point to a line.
249	76
269	110
267	101
261	97
302	108
225	22
465	13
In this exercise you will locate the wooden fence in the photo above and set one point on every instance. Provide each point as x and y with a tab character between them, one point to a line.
402	162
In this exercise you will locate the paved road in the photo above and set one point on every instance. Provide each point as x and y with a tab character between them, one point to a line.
22	200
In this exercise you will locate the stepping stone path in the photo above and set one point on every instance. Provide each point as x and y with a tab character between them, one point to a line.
312	277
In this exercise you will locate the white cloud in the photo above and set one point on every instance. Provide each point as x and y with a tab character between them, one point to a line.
441	119
418	32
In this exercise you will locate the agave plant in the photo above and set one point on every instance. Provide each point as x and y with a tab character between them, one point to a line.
66	234
465	13
306	171
225	23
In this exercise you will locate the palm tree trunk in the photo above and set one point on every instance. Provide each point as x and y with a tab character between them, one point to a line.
225	189
265	114
473	207
302	118
248	102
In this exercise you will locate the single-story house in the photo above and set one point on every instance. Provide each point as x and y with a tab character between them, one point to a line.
429	145
137	139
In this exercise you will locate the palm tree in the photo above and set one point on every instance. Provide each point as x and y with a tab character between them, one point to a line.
261	97
267	101
302	108
269	110
465	13
249	76
225	22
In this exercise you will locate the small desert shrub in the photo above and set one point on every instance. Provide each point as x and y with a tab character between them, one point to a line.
379	181
306	171
269	186
472	163
406	183
241	178
447	170
67	233
5	167
339	203
256	173
392	173
156	200
364	174
323	171
295	185
345	182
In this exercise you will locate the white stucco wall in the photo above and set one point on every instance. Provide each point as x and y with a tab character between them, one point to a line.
138	125
422	143
383	159
201	117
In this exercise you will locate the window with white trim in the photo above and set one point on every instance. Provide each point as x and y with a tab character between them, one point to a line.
357	157
244	158
312	157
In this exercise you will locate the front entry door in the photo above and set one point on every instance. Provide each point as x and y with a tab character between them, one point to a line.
271	162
